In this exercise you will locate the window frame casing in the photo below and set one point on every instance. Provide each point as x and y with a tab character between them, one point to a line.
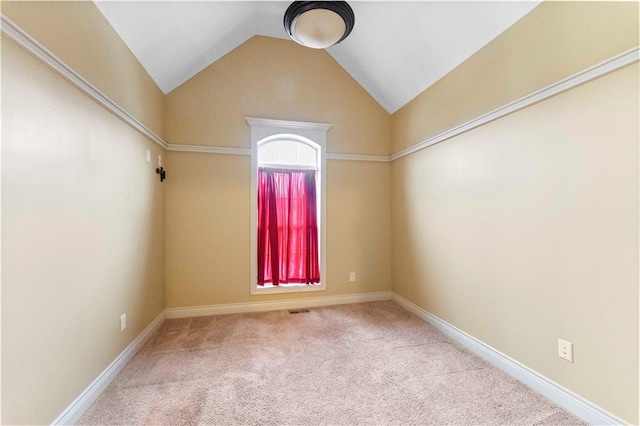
264	131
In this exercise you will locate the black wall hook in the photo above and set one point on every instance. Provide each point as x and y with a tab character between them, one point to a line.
162	172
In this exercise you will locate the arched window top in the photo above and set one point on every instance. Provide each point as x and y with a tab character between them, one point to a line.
289	145
289	137
288	150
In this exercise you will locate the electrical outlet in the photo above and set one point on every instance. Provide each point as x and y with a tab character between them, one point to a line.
565	350
352	276
123	322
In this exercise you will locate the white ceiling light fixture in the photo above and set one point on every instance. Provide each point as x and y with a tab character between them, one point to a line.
319	24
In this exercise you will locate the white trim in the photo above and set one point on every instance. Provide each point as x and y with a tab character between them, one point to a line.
208	149
556	393
204	149
303	288
297	125
313	134
598	70
297	139
305	303
77	408
23	39
611	64
358	157
287	166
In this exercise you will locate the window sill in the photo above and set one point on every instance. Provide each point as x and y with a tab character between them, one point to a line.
292	288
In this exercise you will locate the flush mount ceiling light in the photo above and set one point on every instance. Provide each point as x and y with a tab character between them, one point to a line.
319	24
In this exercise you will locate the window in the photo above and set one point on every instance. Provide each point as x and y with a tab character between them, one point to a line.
287	221
288	205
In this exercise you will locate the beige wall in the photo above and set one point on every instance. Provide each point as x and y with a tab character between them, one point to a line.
491	230
208	195
82	239
495	229
78	33
279	79
209	226
525	230
553	41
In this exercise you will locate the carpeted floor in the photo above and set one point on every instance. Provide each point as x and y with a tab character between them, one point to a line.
371	363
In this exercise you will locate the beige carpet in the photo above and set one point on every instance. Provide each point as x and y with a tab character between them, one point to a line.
371	363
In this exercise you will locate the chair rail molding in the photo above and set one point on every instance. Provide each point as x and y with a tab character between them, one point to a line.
31	45
23	39
604	67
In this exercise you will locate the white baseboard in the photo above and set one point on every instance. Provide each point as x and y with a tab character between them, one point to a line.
310	302
77	408
566	399
556	393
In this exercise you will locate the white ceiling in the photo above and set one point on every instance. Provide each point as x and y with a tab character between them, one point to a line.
396	49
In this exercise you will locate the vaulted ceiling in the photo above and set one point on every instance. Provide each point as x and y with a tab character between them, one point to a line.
396	50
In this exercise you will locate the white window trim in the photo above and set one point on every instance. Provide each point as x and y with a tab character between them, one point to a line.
316	132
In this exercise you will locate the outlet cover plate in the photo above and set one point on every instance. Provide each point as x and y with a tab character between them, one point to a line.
565	350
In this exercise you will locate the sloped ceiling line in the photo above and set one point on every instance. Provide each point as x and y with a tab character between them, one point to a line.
395	52
23	39
605	67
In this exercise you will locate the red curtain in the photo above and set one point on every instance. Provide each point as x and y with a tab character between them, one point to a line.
287	227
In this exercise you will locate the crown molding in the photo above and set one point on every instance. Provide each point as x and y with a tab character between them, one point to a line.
598	70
